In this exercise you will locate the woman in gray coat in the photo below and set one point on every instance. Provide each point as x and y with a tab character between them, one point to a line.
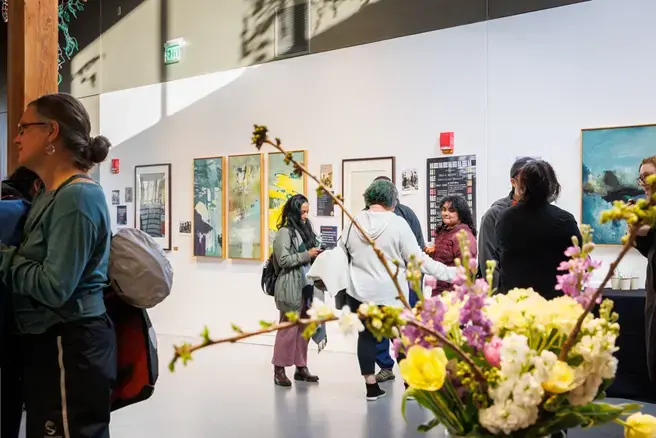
294	248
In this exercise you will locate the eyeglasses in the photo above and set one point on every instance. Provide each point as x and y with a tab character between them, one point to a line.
22	126
642	180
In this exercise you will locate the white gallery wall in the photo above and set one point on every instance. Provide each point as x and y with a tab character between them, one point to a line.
519	86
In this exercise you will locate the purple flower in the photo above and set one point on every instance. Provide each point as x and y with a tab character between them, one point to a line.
477	326
475	336
579	270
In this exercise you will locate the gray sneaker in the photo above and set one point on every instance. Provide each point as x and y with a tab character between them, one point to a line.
385	375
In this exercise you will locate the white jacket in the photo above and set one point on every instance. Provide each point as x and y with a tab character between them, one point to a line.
370	282
331	267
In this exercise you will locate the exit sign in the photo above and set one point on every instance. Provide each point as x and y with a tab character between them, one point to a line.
173	51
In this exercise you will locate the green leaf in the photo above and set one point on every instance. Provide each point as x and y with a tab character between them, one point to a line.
265	324
236	328
575	361
429	425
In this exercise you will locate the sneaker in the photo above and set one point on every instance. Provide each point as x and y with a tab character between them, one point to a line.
374	392
406	388
385	375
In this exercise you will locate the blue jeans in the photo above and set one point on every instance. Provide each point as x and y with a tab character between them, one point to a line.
383	358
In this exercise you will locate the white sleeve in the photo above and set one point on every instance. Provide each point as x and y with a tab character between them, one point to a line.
429	266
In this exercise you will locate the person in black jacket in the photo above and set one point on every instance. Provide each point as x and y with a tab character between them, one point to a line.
488	247
21	185
534	234
646	244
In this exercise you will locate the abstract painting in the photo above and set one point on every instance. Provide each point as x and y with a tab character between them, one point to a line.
153	203
610	161
283	183
209	204
358	174
246	207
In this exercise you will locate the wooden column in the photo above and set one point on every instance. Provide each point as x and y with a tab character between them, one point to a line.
32	61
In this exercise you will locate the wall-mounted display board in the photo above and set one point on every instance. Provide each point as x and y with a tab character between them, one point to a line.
209	222
246	207
358	174
449	176
282	184
152	213
610	161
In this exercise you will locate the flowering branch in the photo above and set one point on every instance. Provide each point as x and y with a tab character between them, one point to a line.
184	351
260	138
642	213
457	350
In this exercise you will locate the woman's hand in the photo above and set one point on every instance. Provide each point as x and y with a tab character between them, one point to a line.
314	252
430	250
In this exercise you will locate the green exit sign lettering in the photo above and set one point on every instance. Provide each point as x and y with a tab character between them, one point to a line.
173	51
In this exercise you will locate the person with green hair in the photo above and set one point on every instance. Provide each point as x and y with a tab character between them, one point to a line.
369	281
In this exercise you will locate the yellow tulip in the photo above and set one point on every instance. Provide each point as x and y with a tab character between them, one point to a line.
560	379
640	426
424	368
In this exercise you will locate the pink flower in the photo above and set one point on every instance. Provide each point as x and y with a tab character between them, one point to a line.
492	352
572	251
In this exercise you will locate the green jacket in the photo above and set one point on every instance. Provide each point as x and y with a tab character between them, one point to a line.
288	262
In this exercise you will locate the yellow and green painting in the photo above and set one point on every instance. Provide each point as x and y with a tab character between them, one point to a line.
245	207
283	183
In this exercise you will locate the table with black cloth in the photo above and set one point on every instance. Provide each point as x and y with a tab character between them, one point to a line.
632	379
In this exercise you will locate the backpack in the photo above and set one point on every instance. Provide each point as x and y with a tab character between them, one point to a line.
269	277
139	271
136	352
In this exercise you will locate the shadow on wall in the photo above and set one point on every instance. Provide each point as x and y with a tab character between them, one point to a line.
97	17
258	26
377	20
373	21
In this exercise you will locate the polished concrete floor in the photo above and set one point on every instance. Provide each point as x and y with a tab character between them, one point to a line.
227	391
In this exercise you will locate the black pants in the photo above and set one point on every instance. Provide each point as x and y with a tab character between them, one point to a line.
11	399
366	344
68	375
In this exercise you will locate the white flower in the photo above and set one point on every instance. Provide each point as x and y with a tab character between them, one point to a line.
608	369
586	392
349	322
320	310
528	391
543	364
514	353
507	417
503	390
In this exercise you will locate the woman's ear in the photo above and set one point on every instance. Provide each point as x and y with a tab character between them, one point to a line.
54	131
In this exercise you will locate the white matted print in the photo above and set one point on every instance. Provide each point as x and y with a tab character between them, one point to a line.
409	181
358	174
152	213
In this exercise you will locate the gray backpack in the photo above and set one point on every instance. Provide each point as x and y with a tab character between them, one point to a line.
139	271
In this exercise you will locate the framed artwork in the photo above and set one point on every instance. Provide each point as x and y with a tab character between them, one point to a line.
152	213
282	184
209	207
358	174
610	160
246	207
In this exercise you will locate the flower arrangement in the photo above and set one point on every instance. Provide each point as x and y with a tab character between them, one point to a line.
489	365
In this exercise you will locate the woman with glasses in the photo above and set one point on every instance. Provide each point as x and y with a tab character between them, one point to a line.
646	244
58	273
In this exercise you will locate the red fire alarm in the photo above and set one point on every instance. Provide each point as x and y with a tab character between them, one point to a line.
447	142
115	165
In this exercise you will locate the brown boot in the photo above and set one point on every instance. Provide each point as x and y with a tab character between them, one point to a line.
280	377
303	374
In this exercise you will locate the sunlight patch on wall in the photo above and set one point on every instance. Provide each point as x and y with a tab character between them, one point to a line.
183	93
137	109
